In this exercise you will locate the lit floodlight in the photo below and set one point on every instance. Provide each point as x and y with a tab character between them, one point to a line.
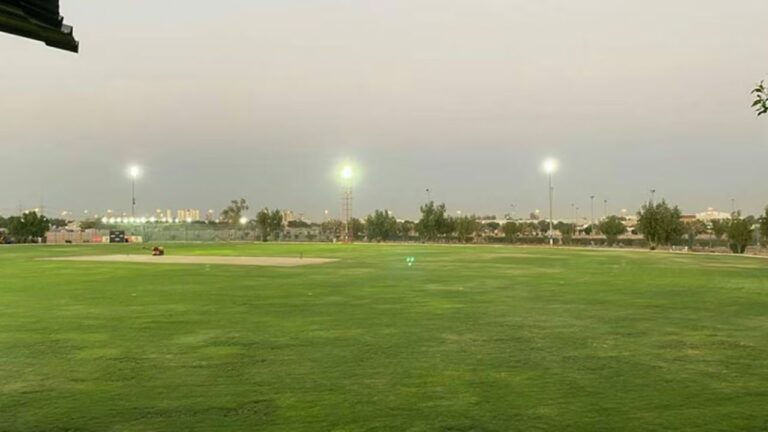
243	220
550	166
104	220
346	173
134	171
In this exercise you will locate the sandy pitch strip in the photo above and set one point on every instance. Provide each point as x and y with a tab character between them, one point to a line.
222	260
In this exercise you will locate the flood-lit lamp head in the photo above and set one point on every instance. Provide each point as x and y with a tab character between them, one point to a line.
346	172
550	166
243	220
134	171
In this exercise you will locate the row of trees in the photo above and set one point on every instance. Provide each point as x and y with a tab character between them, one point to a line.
26	228
659	223
663	225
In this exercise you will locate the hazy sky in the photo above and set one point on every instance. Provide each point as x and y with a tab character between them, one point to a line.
264	98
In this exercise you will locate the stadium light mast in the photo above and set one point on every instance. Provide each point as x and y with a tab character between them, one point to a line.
592	210
346	202
550	167
133	172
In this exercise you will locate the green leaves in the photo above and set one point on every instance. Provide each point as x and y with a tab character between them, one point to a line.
660	223
270	223
612	227
381	226
740	234
28	227
433	221
232	214
761	99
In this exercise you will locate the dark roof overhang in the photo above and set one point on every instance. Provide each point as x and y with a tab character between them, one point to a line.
39	20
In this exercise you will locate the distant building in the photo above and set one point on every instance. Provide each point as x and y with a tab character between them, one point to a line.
288	216
712	214
686	218
188	215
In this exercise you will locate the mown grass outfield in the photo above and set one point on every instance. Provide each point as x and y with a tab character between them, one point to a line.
468	339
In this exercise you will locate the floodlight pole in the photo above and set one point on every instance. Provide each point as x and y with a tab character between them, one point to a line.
133	196
592	209
347	210
551	223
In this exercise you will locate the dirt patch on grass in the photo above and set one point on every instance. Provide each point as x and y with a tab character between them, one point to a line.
216	260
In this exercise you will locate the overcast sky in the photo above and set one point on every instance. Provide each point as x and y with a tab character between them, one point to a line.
265	98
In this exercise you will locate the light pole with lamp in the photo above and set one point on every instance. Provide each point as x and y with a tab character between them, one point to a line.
134	172
346	176
550	167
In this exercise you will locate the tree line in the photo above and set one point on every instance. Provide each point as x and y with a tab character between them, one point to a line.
660	224
27	228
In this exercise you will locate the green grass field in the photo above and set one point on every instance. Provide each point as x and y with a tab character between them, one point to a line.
468	339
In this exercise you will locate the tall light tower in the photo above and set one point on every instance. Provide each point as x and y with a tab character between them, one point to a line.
592	208
133	172
653	196
429	195
346	203
550	167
